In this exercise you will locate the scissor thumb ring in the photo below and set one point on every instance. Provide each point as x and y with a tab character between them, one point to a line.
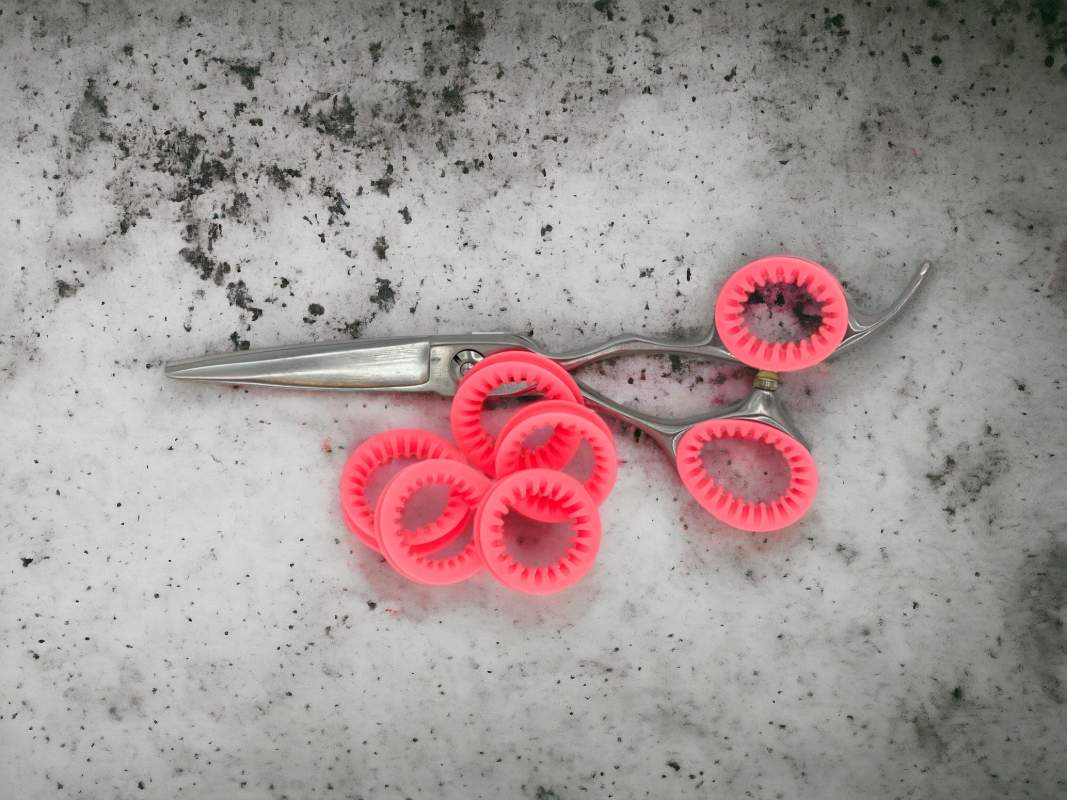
763	273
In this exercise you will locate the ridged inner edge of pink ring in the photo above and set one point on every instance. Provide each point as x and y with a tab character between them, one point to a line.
538	373
781	356
580	421
572	499
375	453
416	561
733	510
358	532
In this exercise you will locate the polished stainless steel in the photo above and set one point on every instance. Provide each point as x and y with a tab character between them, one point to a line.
628	344
437	363
861	325
409	364
463	361
759	405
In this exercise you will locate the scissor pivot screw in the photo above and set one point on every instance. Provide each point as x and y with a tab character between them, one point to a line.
766	380
464	360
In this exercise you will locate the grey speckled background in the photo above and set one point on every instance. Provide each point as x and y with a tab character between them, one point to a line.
183	611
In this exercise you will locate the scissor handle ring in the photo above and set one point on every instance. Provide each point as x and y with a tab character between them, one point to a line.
506	367
726	507
416	561
781	356
378	451
564	417
560	489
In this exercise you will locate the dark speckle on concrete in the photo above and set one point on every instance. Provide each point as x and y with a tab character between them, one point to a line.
452	99
471	29
338	208
177	151
1040	623
929	736
937	478
383	184
207	267
337	118
239	207
606	7
354	328
237	294
90	120
246	72
384	294
65	289
834	23
282	177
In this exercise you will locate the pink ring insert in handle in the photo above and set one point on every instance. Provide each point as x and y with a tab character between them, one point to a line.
740	513
760	353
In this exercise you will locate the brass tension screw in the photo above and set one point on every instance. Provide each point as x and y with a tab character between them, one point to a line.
767	380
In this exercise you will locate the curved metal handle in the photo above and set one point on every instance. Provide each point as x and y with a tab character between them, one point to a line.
629	344
861	325
664	432
759	405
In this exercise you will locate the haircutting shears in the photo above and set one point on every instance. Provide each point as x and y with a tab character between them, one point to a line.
439	363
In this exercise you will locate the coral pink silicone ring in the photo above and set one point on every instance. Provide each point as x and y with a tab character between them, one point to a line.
572	498
562	415
436	543
499	369
781	356
416	561
757	517
385	448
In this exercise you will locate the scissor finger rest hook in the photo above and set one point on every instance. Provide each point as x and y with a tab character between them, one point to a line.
861	325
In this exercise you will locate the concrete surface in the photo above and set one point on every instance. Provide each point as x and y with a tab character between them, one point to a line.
184	613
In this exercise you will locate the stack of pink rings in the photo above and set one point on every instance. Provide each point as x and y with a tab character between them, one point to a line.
486	478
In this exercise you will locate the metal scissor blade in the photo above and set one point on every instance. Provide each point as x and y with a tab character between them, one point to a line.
401	364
